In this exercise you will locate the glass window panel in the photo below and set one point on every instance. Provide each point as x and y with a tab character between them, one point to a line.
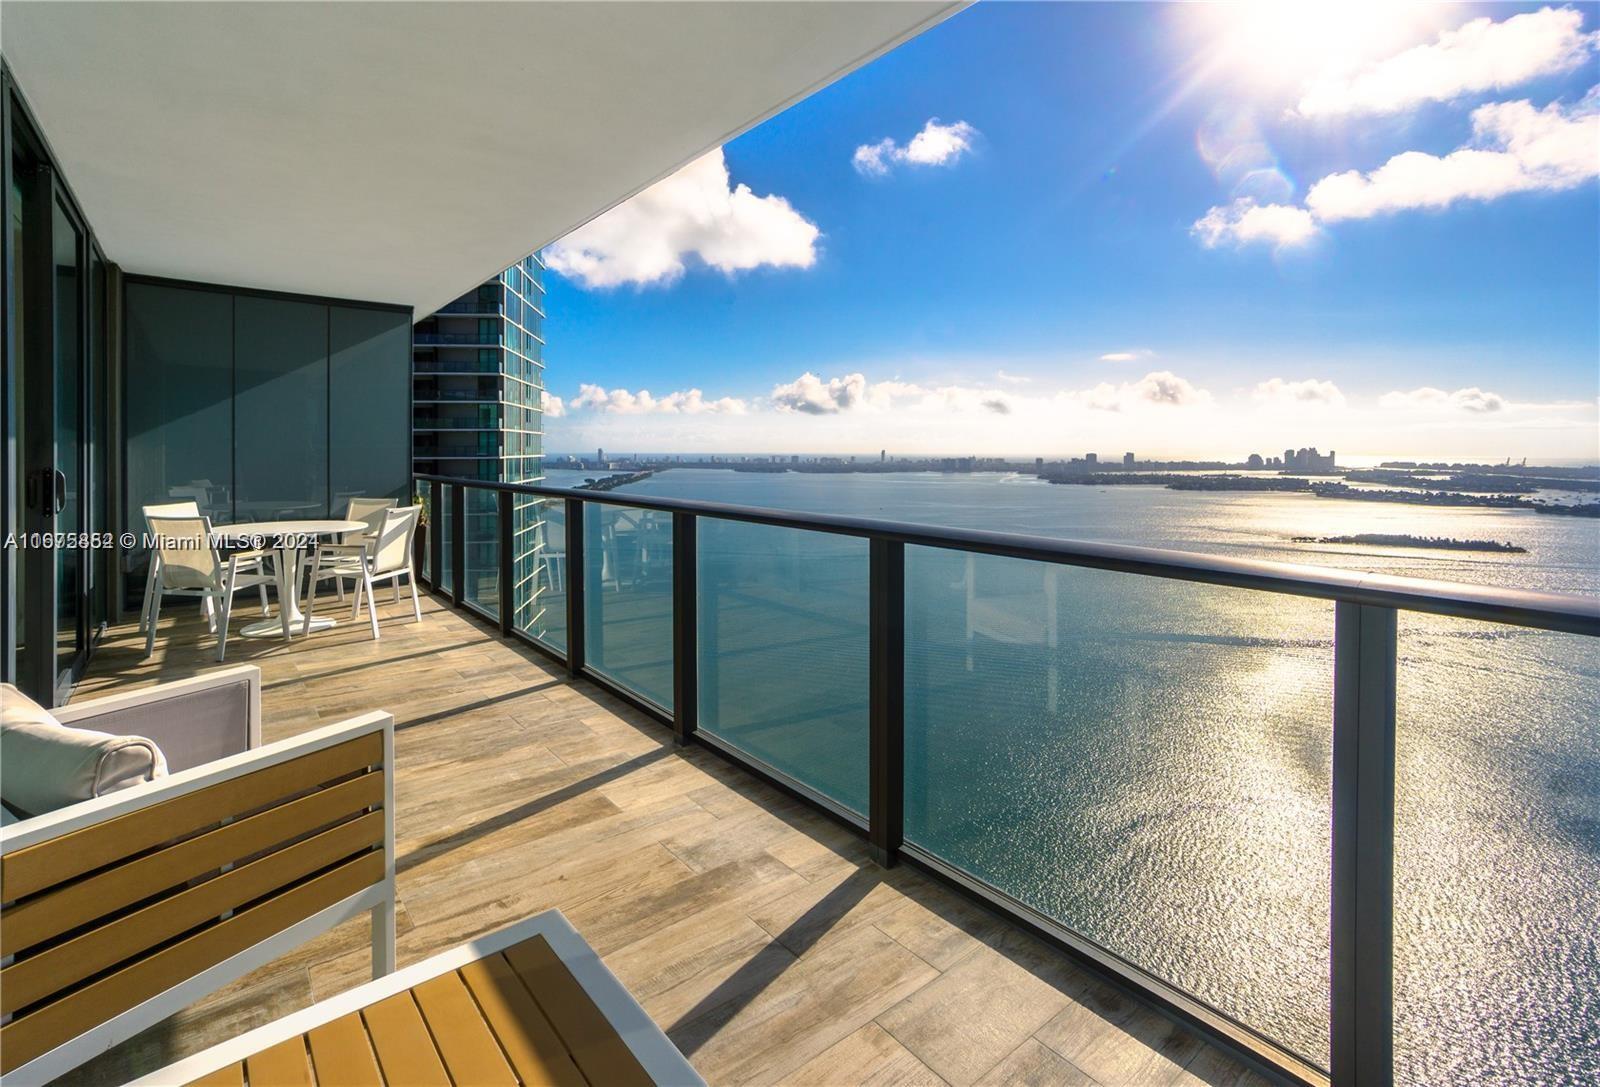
1497	855
783	648
281	409
369	385
1145	761
627	592
481	563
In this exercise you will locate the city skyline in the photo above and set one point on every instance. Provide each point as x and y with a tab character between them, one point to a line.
1374	226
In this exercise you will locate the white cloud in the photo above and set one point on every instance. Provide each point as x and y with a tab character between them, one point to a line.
552	405
1481	55
1427	398
1310	391
1244	222
1158	415
1011	379
1517	148
935	145
624	402
697	212
809	394
1126	356
1161	388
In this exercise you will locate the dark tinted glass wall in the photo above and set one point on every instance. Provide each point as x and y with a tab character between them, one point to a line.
179	400
369	405
280	409
261	408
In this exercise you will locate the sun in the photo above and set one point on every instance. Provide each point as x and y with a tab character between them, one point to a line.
1284	44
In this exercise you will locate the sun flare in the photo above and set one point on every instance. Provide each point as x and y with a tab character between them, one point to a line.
1282	43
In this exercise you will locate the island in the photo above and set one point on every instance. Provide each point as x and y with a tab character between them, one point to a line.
1435	543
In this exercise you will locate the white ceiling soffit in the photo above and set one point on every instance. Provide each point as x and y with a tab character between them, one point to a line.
401	152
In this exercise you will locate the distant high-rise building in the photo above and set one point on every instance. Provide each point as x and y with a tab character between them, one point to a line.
1254	461
883	456
1127	460
1038	464
1308	460
599	458
478	412
1091	458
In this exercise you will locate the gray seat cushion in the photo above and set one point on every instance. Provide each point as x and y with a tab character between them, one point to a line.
45	765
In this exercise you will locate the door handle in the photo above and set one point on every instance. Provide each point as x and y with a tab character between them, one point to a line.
60	502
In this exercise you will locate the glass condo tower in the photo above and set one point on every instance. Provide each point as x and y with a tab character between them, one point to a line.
477	394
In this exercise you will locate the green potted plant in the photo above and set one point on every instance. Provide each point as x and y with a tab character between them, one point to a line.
419	541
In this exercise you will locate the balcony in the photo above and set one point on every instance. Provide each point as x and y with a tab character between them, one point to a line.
756	930
455	339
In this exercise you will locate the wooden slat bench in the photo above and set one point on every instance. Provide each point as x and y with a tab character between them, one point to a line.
119	911
530	1004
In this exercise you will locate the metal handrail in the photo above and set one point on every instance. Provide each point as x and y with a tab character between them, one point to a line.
1566	612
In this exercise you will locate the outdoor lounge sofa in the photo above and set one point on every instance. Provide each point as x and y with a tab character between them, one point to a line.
122	909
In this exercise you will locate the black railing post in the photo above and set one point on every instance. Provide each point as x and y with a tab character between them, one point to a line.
436	537
508	581
574	530
1362	1029
458	543
685	652
886	687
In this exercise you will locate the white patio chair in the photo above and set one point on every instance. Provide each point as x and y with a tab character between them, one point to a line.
386	558
207	608
371	511
191	566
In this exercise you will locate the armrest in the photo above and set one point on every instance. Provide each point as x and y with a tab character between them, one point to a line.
342	548
193	721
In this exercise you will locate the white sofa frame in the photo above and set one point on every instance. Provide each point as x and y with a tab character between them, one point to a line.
377	898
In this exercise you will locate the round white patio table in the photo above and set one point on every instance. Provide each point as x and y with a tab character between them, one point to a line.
288	539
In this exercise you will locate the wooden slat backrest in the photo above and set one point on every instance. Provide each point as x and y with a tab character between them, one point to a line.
65	964
80	901
102	918
34	868
29	1035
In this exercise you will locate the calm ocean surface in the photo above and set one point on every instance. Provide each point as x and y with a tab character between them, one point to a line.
1148	761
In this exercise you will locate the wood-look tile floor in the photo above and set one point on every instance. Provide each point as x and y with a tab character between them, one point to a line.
758	934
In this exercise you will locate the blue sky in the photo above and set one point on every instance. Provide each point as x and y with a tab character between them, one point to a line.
1185	230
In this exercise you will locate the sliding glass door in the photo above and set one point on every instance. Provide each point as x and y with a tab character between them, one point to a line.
52	431
67	555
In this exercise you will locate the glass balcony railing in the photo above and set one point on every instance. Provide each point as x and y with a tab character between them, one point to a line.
782	634
627	589
1251	791
458	339
1088	742
474	307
